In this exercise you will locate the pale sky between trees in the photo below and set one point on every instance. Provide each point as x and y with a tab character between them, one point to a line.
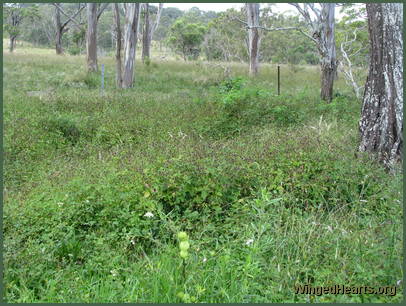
220	7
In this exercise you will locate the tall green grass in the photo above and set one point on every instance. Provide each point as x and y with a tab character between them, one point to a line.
270	189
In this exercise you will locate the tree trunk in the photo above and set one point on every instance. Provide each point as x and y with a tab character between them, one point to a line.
58	32
158	18
328	72
132	15
149	29
381	124
13	40
91	37
58	43
253	36
322	26
146	43
327	51
119	76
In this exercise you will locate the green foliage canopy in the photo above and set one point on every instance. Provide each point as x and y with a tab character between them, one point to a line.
186	38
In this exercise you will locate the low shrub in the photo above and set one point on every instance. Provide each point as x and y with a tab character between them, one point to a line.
82	79
73	50
65	126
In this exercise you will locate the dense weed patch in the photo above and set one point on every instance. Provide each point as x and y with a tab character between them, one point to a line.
269	188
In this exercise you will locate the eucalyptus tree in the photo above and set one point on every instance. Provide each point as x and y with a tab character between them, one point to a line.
119	73
13	16
253	26
62	27
150	26
94	11
253	36
381	124
320	21
132	17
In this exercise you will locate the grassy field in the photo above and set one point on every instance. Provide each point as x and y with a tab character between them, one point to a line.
269	189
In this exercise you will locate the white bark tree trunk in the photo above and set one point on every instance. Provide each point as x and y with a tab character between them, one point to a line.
91	37
322	27
253	36
381	124
132	14
347	70
327	50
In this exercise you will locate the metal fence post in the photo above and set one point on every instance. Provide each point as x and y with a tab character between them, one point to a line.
102	78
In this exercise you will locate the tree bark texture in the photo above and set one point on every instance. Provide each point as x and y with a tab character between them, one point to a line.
119	78
327	51
13	40
146	36
91	37
322	27
132	14
58	30
381	124
149	29
253	36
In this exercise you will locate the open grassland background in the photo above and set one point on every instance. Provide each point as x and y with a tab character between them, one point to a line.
269	188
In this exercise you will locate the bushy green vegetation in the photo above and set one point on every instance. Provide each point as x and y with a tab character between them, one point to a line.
269	189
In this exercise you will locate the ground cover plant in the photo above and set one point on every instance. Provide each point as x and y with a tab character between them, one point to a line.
270	190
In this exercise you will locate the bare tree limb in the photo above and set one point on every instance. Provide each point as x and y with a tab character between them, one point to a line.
275	29
158	16
70	18
239	20
347	68
315	10
303	12
101	9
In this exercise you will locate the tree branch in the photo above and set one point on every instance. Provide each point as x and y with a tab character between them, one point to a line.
239	20
70	18
304	12
315	10
158	16
275	29
101	9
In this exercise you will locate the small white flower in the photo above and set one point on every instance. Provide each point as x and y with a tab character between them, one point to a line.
249	241
114	272
149	214
329	228
132	242
204	259
60	204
